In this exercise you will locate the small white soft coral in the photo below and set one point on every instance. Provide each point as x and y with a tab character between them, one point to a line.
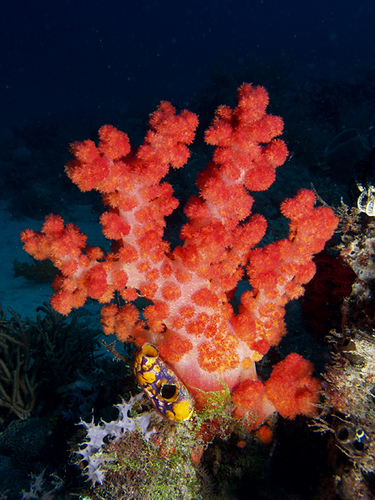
91	449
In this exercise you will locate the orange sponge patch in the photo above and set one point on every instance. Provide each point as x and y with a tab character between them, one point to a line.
264	433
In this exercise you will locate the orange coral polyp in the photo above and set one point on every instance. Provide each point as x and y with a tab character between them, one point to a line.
219	132
94	253
219	354
275	153
147	290
173	348
70	268
127	253
291	387
265	129
156	312
197	326
108	318
252	103
248	397
205	297
114	226
301	205
64	301
119	279
260	178
186	312
171	291
126	317
96	282
53	226
113	143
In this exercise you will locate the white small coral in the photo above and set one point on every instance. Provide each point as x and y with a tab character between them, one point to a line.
91	449
38	487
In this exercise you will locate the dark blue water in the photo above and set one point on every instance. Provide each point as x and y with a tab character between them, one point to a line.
100	57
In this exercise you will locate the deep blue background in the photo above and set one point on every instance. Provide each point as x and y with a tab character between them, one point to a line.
80	57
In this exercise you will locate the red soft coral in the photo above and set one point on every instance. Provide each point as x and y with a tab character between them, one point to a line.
292	389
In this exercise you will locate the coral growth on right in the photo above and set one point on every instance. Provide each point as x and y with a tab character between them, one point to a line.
349	389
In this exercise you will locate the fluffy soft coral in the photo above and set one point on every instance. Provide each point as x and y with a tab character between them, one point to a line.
291	387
